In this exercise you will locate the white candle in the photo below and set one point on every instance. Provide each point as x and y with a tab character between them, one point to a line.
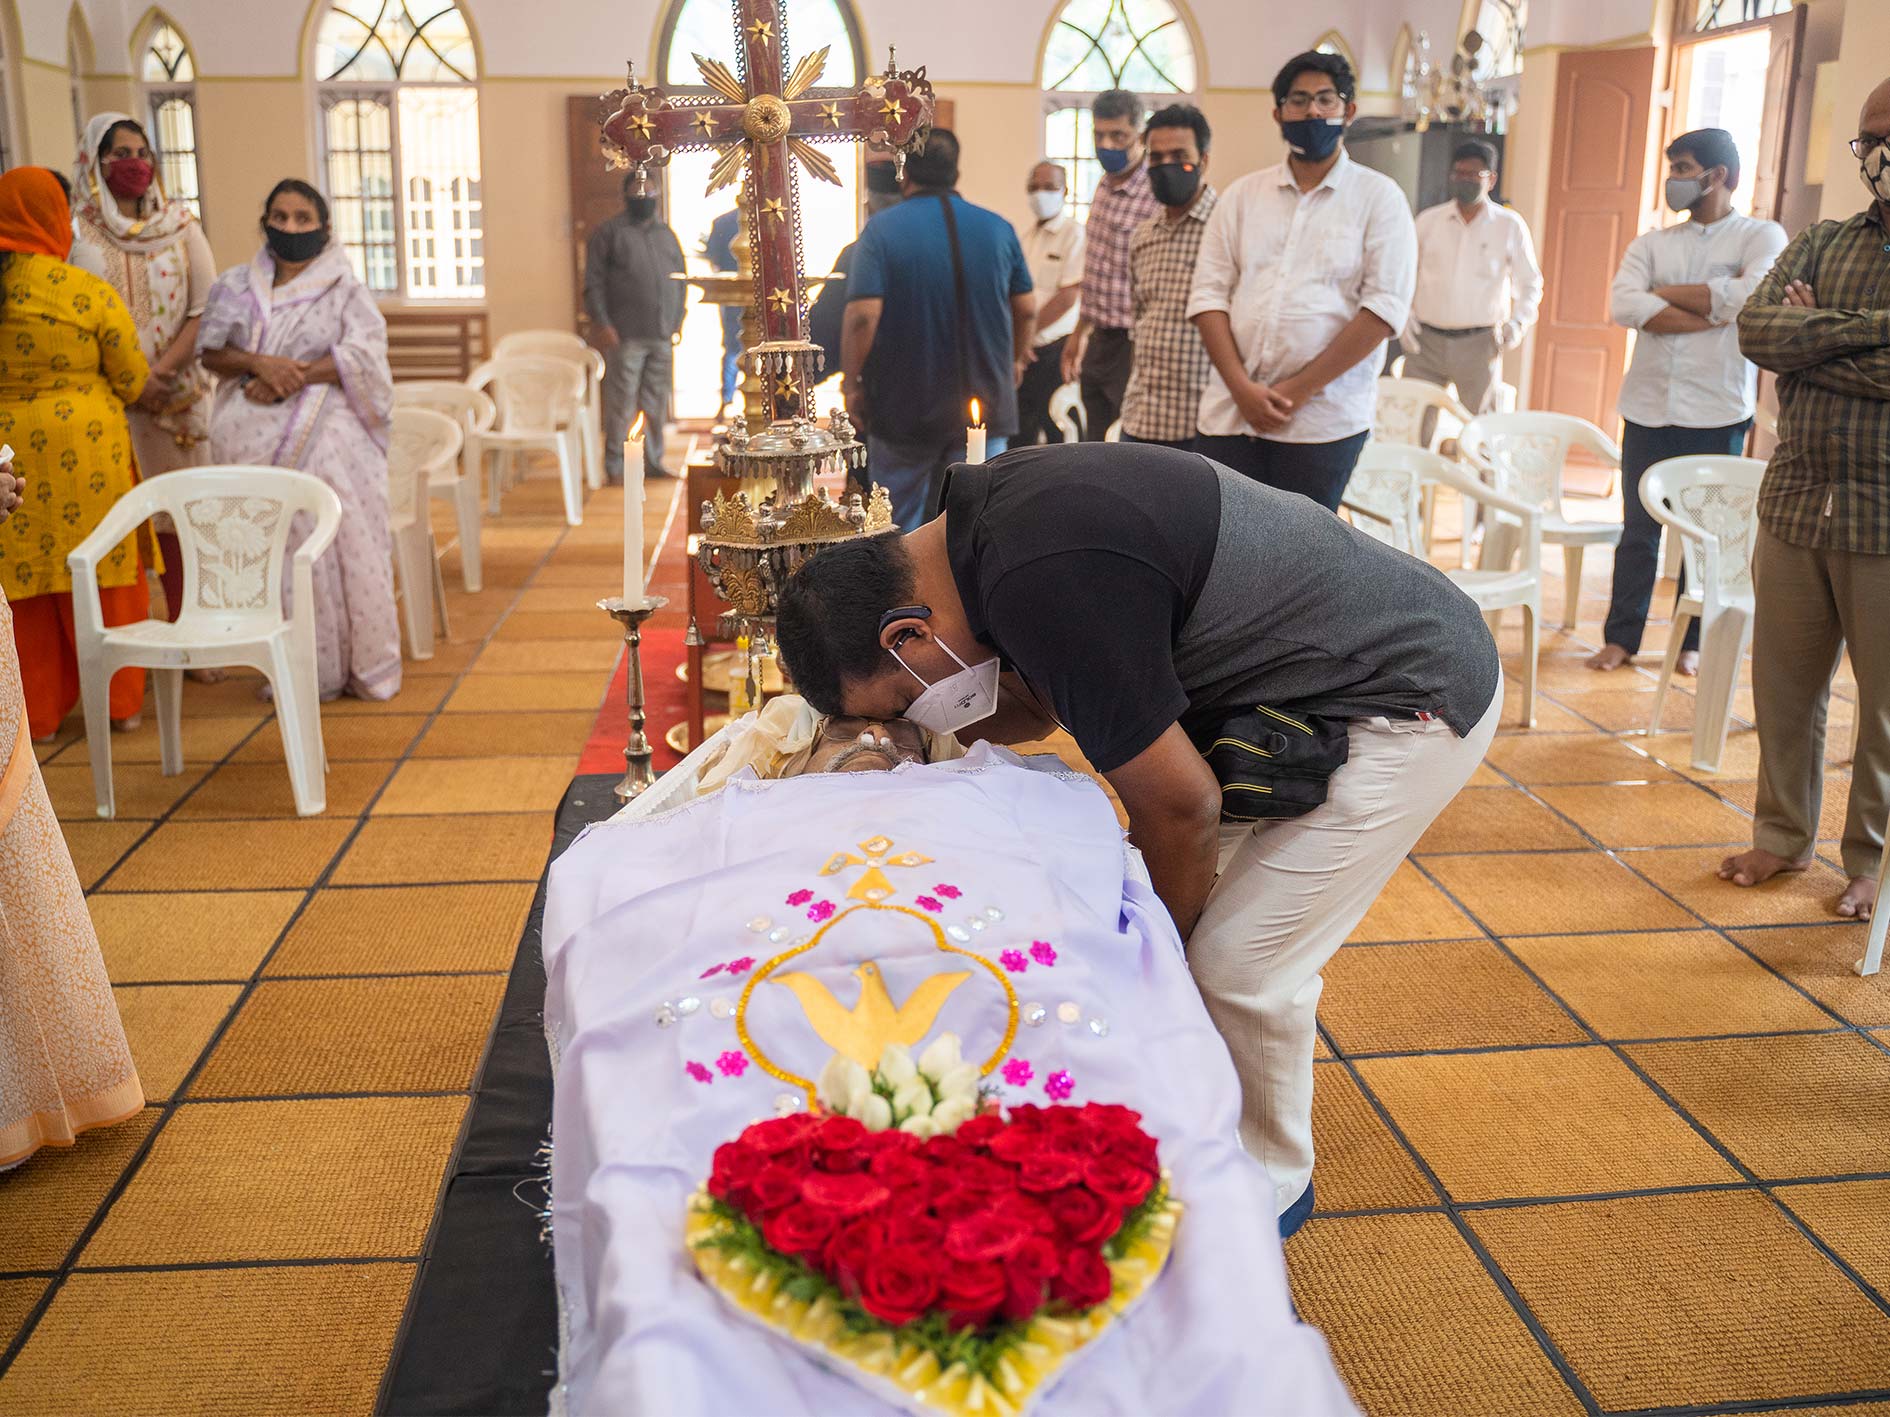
633	515
974	436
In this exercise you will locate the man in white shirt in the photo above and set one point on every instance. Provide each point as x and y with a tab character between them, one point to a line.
1688	390
1306	269
1053	249
1478	284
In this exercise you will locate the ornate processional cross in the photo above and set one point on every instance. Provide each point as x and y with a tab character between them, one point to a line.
758	118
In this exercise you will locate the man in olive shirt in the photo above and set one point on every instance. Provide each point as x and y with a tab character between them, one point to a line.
1821	570
1055	587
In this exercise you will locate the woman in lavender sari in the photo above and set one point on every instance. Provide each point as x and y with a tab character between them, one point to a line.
300	353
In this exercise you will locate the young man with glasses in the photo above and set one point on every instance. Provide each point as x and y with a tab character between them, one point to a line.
1306	269
1478	284
1821	569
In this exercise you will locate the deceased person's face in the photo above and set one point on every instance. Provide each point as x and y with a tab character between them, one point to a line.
866	745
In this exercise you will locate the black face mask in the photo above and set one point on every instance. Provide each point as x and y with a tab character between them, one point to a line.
1174	183
640	208
295	247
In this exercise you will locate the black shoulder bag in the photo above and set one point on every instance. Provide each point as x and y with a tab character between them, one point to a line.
1271	765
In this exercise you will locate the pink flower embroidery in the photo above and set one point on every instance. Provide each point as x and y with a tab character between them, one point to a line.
740	966
731	1064
1014	961
1017	1072
712	969
698	1072
800	898
949	892
1042	952
820	910
925	902
1059	1085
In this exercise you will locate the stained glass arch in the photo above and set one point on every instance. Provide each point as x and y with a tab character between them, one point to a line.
1143	45
703	27
382	41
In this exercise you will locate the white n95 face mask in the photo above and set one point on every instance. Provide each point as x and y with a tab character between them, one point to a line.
958	700
1046	204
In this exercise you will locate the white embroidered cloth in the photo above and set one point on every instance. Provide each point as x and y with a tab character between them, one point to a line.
639	909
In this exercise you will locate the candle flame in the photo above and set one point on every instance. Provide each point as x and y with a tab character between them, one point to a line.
976	412
636	429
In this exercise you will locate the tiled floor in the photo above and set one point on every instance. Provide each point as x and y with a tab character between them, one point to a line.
1597	1133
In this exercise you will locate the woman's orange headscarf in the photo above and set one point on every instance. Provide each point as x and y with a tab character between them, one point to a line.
34	214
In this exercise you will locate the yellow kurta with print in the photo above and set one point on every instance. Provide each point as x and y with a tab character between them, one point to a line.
69	362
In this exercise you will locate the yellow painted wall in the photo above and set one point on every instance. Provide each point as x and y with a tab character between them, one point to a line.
250	133
113	93
1526	150
46	114
1863	62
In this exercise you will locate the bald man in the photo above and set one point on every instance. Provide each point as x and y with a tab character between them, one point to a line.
1821	568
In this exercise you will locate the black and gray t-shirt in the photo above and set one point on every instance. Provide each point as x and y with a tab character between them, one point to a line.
1134	586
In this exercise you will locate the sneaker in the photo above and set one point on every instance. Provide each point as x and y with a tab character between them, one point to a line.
1295	1214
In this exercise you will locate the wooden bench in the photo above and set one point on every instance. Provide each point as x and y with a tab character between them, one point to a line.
435	341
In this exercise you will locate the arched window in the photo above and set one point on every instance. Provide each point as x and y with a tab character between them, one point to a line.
170	96
1142	45
1500	23
1718	14
1332	42
400	144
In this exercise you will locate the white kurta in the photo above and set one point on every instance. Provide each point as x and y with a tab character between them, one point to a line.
639	910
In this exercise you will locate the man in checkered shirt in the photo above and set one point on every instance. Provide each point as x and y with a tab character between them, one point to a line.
1171	364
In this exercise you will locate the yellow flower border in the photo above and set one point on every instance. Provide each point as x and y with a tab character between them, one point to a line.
883	1358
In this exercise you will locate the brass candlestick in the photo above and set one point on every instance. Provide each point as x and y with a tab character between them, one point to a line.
638	774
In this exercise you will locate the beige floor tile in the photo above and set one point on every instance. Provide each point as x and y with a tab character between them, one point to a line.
404	850
1691	874
419	693
406	930
590	624
167	1026
459	785
1353	1280
1833	803
1666	985
204	856
1445	994
597	656
1497	819
536	692
1547	893
1798	1106
98	846
347	738
1689	1299
478	735
1563	757
241	790
1822	960
206	740
1628	710
1539	1122
1650	814
1850	1217
46	1204
1412	908
1362	1166
140	791
170	937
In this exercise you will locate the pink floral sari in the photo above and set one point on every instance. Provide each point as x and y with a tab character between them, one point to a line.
337	432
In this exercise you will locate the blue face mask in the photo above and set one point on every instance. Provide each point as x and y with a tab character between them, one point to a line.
1314	139
1113	160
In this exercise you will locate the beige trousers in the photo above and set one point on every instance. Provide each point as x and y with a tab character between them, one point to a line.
1471	362
1811	604
1289	894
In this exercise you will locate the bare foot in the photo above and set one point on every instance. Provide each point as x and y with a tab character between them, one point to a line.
1608	658
1688	663
1756	867
128	725
1859	900
205	676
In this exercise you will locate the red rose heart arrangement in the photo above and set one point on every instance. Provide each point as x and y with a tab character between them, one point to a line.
952	1273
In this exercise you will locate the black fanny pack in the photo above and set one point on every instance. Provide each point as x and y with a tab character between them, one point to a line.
1270	764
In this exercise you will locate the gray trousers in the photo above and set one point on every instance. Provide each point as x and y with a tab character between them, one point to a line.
1469	361
637	376
1811	603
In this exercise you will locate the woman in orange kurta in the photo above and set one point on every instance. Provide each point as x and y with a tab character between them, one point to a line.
69	364
64	1063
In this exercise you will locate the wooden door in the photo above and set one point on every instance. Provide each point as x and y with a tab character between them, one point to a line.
1775	137
596	188
1597	180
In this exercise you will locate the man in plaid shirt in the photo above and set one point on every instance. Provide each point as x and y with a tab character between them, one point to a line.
1171	364
1821	569
1098	350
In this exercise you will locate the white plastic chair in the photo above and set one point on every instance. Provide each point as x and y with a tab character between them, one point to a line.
1404	408
1385	497
1523	455
1879	920
232	527
458	482
537	400
1066	411
1496	586
1113	433
422	445
563	344
1710	506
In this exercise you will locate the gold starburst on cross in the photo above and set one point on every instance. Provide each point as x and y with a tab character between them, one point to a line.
892	108
704	123
761	31
830	114
872	886
780	299
773	210
639	123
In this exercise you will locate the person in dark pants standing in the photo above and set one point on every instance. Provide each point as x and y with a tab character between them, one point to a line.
636	311
719	247
1098	354
1306	269
1053	248
1689	389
